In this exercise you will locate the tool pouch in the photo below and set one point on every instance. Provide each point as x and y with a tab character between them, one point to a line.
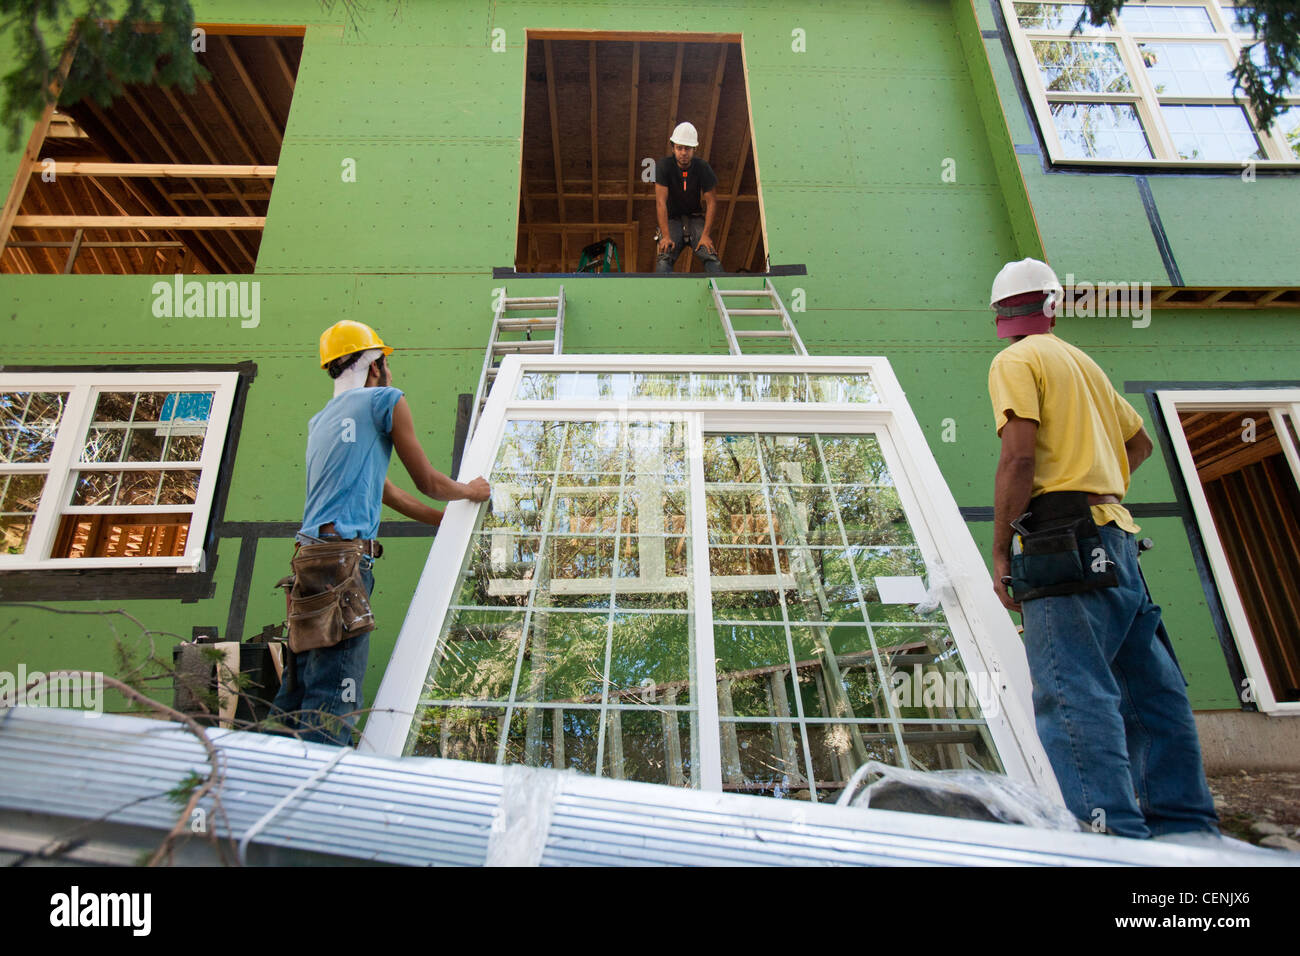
1063	554
327	597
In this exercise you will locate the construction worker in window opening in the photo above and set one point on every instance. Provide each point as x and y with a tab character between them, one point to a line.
1110	701
349	443
686	199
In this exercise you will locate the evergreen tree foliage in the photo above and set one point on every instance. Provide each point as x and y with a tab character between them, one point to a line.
111	44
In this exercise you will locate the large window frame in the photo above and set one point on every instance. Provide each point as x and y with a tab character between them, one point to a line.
968	602
1279	401
64	463
1143	96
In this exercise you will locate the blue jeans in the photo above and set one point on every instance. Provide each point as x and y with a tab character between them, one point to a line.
1111	706
321	694
683	237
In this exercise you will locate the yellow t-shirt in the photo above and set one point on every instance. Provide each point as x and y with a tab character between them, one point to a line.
1083	422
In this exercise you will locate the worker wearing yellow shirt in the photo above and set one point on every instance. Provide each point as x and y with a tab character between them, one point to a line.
1110	701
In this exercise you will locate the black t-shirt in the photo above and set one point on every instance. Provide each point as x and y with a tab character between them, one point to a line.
685	185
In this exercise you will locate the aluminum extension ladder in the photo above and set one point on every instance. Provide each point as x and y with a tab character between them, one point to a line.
774	307
503	323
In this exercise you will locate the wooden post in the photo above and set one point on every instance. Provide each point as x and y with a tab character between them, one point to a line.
731	772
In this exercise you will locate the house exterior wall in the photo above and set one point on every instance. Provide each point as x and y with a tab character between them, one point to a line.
851	138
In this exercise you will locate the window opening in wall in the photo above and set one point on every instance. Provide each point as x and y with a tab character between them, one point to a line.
1242	465
109	471
1151	85
598	112
160	181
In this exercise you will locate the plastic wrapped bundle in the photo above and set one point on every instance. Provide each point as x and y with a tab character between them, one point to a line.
967	794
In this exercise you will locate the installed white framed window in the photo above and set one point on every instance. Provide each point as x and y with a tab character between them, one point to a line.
102	470
1152	87
707	573
1239	453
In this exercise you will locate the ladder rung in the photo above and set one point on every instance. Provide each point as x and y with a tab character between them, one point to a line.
518	325
742	292
546	346
530	300
753	312
739	333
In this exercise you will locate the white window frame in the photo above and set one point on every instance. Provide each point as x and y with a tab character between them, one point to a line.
1144	98
1225	400
971	605
82	389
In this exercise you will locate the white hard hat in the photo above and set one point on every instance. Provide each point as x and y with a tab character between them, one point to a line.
685	135
1027	275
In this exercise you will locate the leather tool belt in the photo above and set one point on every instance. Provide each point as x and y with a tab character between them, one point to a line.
1058	549
327	597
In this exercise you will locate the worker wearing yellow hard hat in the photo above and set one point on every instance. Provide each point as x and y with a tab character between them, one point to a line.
347	337
349	444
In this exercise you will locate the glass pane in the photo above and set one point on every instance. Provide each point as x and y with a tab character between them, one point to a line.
499	570
1237	19
1165	20
114	406
738	517
104	444
712	386
781	387
849	389
1288	123
139	488
1212	133
792	459
839	749
650	658
566	658
553	737
950	747
1100	131
476	656
178	488
1055	16
764	758
15	530
1082	65
731	458
185	407
529	447
182	447
926	678
650	746
29	423
121	536
793	630
96	488
805	515
1188	69
457	733
145	444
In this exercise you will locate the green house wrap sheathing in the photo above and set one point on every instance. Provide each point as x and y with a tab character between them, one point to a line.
894	163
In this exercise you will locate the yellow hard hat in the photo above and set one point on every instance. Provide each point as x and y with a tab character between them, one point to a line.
346	337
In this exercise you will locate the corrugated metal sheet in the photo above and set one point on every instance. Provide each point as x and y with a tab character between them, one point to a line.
63	767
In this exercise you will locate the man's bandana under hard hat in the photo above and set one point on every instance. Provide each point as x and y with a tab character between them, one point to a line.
355	375
1032	322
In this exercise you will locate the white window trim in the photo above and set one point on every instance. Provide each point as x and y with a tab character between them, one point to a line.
972	607
1144	98
82	387
1223	400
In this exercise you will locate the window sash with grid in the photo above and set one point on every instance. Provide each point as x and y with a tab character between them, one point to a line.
56	518
1161	139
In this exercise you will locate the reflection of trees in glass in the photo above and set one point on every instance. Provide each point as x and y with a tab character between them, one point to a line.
1081	66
